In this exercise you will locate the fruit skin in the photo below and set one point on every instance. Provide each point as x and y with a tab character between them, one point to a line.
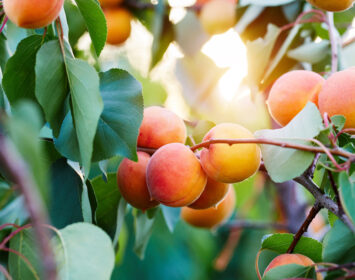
211	217
285	259
174	175
332	5
118	25
160	126
338	96
213	194
108	3
230	163
217	16
291	93
32	13
131	180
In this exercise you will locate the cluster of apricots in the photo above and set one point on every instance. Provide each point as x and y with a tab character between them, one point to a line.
118	21
175	176
334	96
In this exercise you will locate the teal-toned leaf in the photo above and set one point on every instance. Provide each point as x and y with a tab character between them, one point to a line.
280	242
83	252
14	212
19	75
347	194
171	216
121	212
338	242
51	83
289	271
95	22
285	164
143	227
312	52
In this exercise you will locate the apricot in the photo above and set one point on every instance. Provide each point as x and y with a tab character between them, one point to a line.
174	176
217	16
213	194
159	127
118	25
108	3
332	5
131	180
338	96
32	13
211	217
230	163
285	259
291	92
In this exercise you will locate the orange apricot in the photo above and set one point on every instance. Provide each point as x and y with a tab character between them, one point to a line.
286	259
217	16
291	92
332	5
118	25
107	3
159	127
32	13
213	216
131	180
338	96
230	163
174	175
213	194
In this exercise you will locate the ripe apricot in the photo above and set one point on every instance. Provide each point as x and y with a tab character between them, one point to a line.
332	5
217	16
338	96
174	175
160	126
118	25
211	217
291	92
32	13
285	259
107	3
230	163
131	180
213	194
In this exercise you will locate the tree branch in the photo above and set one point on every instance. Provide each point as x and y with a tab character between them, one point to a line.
337	267
333	41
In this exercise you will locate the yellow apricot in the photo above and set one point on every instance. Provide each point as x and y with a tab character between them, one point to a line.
338	96
32	13
291	92
230	163
118	25
332	5
213	216
217	16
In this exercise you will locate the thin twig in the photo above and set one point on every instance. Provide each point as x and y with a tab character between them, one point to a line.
5	272
333	41
335	189
337	267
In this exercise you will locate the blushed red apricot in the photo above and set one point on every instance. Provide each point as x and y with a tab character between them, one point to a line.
285	259
32	13
159	127
230	163
213	216
118	25
131	180
217	16
174	176
332	5
291	93
108	3
213	194
338	96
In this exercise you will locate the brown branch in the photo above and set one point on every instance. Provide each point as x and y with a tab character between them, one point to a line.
17	171
314	211
337	267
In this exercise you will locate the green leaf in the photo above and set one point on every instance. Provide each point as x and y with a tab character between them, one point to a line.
76	22
95	22
143	227
171	216
119	123
24	243
65	206
51	83
280	242
107	196
338	242
347	194
289	271
121	212
285	164
19	76
312	52
83	251
14	212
